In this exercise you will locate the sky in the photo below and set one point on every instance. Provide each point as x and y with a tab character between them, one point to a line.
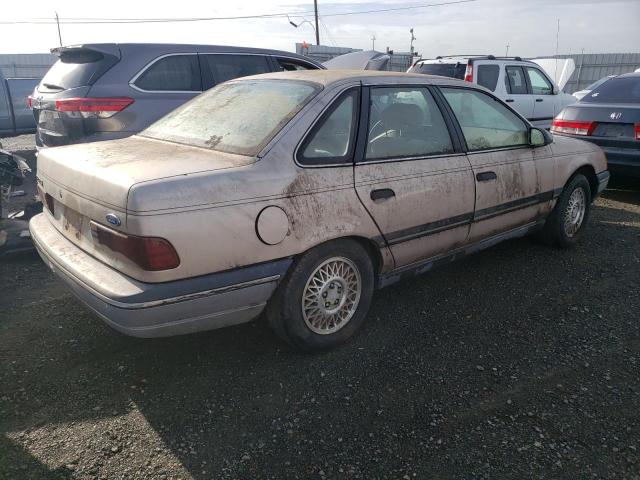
529	27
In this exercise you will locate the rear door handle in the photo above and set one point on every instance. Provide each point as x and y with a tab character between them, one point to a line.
486	176
509	100
382	194
539	100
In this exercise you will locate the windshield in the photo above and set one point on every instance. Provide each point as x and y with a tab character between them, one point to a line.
616	90
452	70
237	117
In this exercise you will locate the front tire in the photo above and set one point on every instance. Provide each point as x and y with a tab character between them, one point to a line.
567	222
325	296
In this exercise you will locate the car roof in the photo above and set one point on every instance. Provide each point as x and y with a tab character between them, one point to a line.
182	47
466	58
328	77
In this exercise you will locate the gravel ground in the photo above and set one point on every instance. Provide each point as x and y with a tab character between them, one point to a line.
518	362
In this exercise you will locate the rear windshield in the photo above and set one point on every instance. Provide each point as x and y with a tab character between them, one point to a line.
237	117
616	90
75	68
452	70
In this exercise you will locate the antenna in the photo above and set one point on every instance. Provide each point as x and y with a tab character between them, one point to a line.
58	23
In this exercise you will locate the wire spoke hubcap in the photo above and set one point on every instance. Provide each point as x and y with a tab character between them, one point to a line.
331	295
574	213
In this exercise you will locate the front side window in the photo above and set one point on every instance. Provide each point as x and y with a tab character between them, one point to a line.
172	73
488	76
485	122
515	82
227	67
332	138
405	122
237	117
539	83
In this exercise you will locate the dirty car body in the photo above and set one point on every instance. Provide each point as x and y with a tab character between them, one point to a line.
316	188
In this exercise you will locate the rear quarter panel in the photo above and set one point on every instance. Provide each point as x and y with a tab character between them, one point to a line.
571	154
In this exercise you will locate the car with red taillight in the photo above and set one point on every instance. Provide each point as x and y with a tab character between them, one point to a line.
100	92
296	194
608	116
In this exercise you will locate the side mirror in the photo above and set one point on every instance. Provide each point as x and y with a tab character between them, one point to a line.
537	137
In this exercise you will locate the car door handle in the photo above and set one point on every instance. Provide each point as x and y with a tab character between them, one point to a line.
382	194
509	100
539	100
486	176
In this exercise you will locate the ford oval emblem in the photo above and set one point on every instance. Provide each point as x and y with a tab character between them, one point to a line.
113	220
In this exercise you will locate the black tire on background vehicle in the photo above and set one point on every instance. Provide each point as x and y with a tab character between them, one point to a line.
325	296
565	226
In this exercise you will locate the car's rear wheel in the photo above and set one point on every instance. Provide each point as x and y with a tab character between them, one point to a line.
566	224
325	296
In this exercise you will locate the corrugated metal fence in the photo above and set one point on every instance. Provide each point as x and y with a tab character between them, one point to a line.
591	67
26	65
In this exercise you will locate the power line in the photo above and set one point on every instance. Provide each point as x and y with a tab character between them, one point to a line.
91	21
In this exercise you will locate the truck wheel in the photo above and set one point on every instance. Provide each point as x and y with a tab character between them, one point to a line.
324	297
565	226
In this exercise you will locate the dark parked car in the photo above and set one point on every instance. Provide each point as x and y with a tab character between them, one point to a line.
108	91
608	116
15	116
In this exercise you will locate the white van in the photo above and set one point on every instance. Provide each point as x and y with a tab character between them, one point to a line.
521	83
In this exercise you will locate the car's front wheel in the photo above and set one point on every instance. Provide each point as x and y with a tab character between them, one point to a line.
566	224
325	296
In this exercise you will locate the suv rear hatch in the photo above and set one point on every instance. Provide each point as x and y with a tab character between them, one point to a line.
60	104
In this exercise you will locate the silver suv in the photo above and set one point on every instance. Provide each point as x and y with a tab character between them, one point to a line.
521	83
108	91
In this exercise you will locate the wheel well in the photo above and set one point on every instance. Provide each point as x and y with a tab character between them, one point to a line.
373	251
589	172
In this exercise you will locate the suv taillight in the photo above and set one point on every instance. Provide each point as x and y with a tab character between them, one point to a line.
104	107
149	253
468	74
30	102
636	131
573	127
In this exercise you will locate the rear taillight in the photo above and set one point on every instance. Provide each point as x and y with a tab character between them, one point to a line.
149	253
573	127
636	131
468	74
30	102
104	107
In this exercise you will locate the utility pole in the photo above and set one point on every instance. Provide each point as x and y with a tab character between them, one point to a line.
58	23
373	42
411	47
315	7
557	48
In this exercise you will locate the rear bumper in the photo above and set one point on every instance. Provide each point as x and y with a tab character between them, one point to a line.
603	181
621	160
46	138
157	310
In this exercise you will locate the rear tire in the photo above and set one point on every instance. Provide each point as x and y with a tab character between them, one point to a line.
568	220
325	296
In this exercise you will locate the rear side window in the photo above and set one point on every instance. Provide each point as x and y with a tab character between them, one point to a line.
289	65
515	82
616	90
485	122
488	76
221	68
539	83
331	140
76	68
452	70
178	73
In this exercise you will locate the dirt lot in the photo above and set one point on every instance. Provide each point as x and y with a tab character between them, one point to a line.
519	362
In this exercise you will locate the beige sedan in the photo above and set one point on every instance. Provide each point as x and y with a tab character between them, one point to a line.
298	194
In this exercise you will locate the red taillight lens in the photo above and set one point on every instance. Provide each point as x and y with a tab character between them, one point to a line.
573	127
149	253
636	131
94	107
29	102
468	74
